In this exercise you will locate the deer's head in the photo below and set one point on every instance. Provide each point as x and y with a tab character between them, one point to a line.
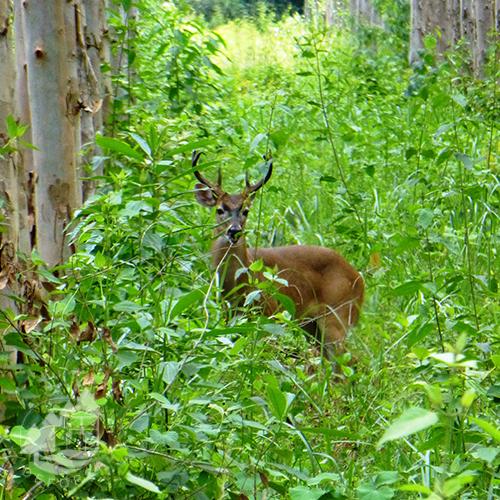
231	209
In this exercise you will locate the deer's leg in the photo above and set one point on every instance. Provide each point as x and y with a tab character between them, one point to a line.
333	326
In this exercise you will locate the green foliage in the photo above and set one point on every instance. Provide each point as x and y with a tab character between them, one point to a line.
138	381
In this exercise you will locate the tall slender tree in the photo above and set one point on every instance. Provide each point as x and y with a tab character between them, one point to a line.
53	122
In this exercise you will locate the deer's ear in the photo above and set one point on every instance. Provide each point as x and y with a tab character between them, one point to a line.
205	196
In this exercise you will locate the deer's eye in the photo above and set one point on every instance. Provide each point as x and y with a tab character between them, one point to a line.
244	212
220	210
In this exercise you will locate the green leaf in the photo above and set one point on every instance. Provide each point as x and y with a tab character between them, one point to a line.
127	306
142	143
417	488
279	402
452	486
118	146
465	159
190	146
170	369
25	437
256	141
328	178
330	477
276	400
194	297
368	491
306	493
488	454
12	127
44	474
82	419
411	421
487	427
408	288
143	483
252	297
425	217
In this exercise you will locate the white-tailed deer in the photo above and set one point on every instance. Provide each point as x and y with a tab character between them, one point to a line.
326	289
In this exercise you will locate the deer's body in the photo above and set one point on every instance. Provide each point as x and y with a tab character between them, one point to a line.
327	291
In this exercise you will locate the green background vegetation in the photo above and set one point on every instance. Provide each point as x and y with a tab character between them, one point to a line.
393	166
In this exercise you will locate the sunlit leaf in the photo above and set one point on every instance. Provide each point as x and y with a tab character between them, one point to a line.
411	421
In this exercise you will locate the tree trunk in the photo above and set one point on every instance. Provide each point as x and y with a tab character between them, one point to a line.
93	32
450	21
53	115
9	221
484	16
24	156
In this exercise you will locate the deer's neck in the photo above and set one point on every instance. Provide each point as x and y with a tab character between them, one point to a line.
228	259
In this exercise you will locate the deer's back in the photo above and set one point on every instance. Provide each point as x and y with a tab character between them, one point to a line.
314	275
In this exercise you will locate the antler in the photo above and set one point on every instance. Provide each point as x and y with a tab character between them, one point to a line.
216	188
251	188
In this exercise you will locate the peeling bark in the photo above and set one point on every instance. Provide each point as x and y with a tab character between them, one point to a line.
57	187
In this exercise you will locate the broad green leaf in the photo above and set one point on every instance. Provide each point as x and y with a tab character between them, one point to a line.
169	438
329	477
487	427
190	146
368	491
276	400
452	486
417	488
425	217
187	300
170	369
256	141
252	297
127	306
43	472
306	493
142	143
328	178
118	146
386	477
488	454
82	419
408	288
411	421
143	483
25	437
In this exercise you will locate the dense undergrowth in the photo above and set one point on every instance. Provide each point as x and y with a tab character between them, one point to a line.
394	167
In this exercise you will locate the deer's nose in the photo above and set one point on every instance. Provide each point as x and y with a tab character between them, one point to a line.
234	232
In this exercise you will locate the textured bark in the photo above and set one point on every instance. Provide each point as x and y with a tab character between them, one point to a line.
365	12
106	60
9	221
93	56
72	11
429	17
24	156
484	17
8	183
452	20
57	187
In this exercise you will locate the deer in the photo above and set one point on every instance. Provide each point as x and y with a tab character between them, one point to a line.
326	290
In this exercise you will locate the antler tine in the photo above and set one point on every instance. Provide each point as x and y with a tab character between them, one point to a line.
195	157
251	188
214	187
